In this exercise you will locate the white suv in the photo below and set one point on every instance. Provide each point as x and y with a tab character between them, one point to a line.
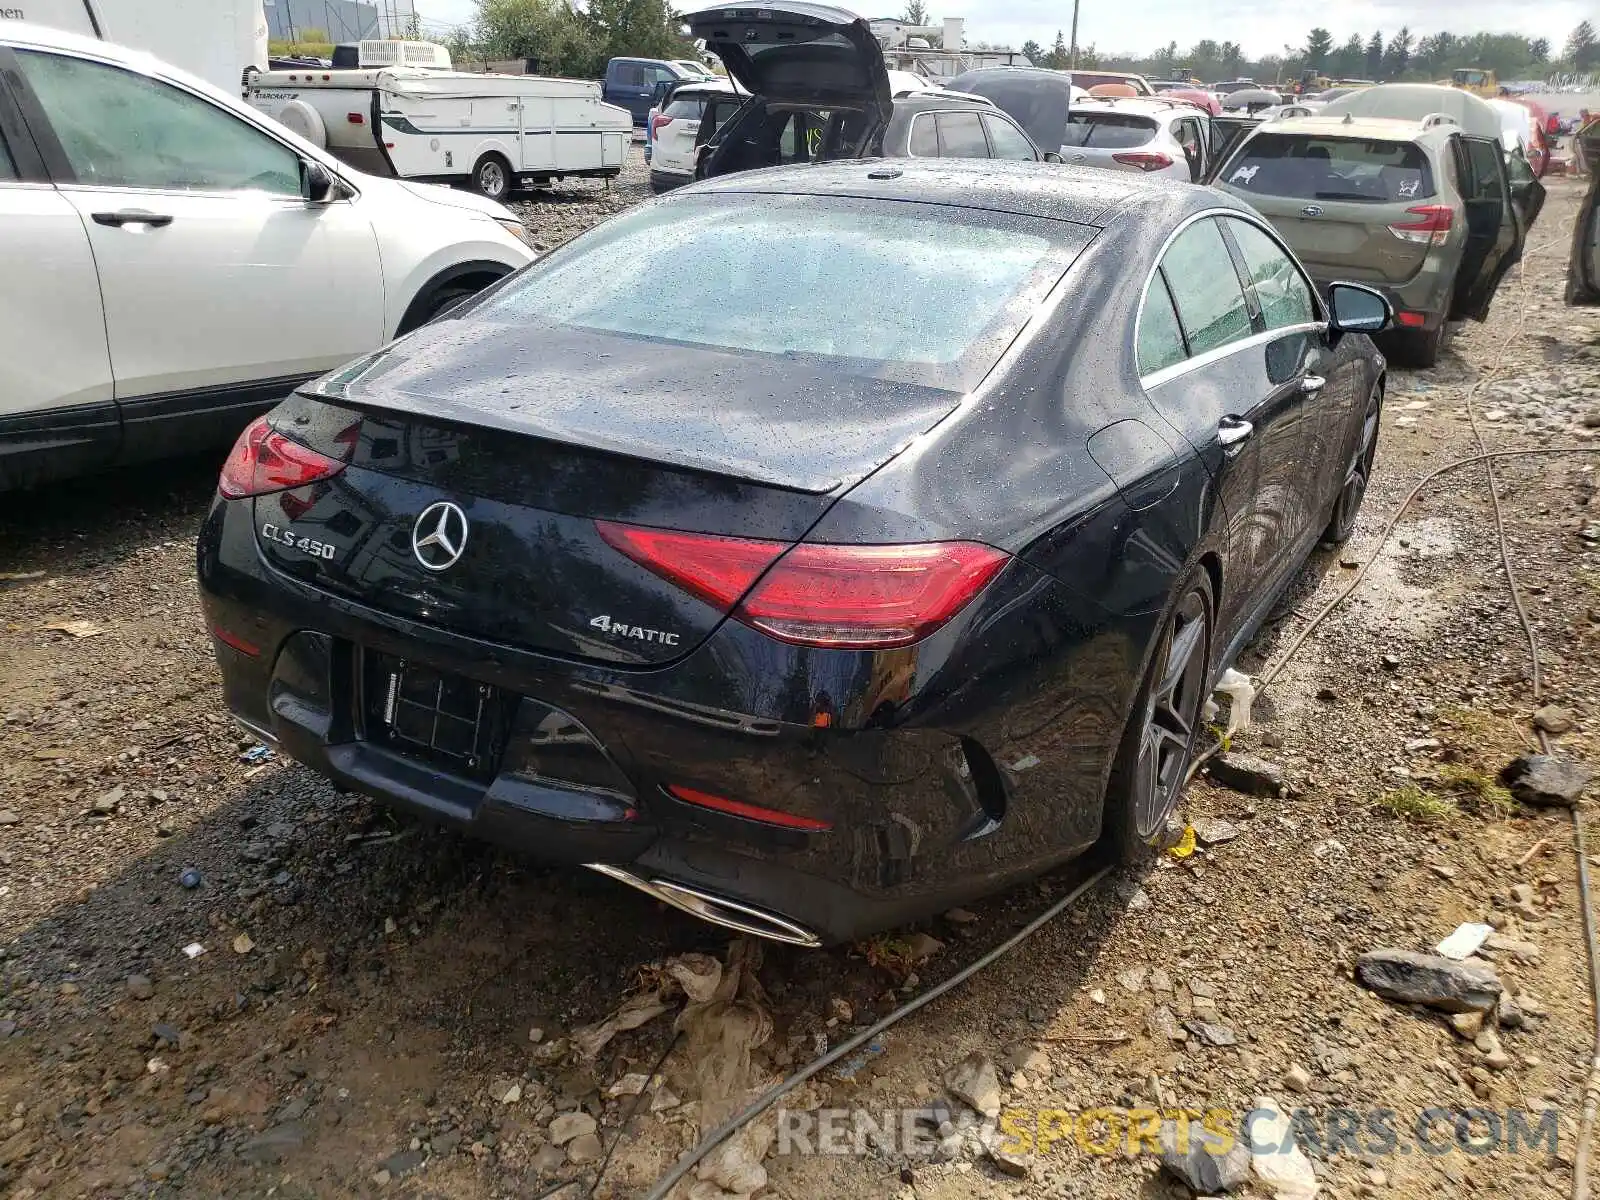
675	130
174	263
1155	137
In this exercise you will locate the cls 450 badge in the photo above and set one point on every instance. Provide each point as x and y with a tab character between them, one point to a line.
298	541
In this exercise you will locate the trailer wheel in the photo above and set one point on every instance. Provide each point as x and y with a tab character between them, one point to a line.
492	177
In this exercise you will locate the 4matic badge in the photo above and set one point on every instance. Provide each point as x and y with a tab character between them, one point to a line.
618	629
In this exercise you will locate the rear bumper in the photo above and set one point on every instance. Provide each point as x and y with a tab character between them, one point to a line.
1428	292
921	817
663	181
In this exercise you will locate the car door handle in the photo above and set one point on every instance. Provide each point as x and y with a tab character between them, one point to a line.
1231	431
132	216
1311	384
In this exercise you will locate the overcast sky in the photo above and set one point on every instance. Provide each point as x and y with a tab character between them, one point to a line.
1261	28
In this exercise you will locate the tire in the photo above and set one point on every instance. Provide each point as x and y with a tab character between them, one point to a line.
299	117
1347	505
1152	762
438	304
1420	347
492	177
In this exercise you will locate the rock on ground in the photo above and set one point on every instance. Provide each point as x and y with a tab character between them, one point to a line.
1545	781
1428	979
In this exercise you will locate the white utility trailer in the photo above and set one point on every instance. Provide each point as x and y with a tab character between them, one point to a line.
484	131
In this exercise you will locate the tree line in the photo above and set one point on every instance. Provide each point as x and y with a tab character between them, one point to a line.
563	39
1401	56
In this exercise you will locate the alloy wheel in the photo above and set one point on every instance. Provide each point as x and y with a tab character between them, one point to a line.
1172	713
1355	483
492	180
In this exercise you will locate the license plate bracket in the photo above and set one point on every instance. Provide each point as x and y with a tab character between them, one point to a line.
454	722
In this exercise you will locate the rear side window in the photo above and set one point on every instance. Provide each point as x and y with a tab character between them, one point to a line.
1006	140
924	136
961	136
1160	338
1284	295
1108	130
631	75
8	167
1330	168
1479	168
688	107
1206	289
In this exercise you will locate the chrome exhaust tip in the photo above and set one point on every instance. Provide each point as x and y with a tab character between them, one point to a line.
718	910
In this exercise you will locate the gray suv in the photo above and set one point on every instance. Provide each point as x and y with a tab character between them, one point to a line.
1420	209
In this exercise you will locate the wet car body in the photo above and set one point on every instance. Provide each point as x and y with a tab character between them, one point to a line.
600	713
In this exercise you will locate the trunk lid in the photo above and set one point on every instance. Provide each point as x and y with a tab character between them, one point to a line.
792	52
494	535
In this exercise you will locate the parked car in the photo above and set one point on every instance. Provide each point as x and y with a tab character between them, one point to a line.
1422	210
1251	100
630	83
1154	137
1092	79
1035	98
929	600
842	107
1583	265
1477	117
175	262
693	69
691	116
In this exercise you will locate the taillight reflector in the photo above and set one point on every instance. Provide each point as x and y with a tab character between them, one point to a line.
852	597
356	118
1145	160
1431	227
264	461
237	642
1411	320
750	812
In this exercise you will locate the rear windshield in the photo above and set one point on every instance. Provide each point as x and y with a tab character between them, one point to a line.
1108	130
925	293
685	106
1330	168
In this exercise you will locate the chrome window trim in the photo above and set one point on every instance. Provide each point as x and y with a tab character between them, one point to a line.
911	134
1196	361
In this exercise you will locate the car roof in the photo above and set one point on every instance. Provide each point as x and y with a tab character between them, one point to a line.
942	98
1081	195
704	85
1379	128
1144	106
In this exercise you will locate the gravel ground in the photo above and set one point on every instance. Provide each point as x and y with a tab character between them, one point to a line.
360	1019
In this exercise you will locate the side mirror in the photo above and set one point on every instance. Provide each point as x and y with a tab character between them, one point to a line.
1359	309
316	183
1053	156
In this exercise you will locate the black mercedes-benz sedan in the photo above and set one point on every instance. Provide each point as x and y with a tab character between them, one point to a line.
812	549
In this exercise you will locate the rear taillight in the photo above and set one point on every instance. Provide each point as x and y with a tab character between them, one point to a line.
1145	160
1431	227
264	461
657	122
855	597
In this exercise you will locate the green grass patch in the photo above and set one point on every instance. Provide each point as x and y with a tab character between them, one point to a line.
1416	804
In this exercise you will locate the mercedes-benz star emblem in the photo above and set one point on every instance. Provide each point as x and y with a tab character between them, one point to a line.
439	537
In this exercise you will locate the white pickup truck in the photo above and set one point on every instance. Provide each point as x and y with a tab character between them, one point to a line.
405	112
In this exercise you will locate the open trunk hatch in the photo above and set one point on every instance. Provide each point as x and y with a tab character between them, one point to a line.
796	53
